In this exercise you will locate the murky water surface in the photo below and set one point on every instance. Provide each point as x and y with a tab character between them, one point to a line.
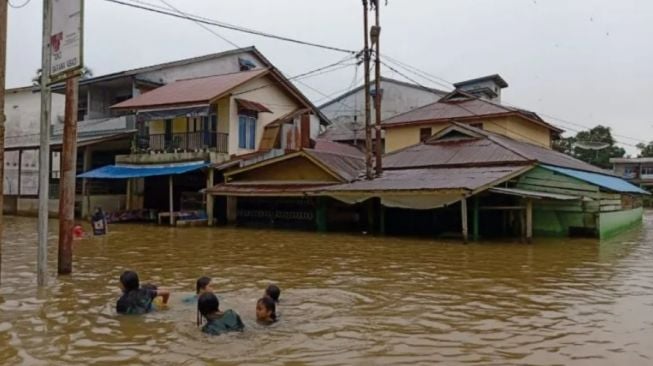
346	299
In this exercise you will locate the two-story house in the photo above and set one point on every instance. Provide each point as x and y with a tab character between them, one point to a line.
637	170
475	102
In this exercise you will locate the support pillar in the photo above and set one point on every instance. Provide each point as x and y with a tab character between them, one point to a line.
210	200
171	200
529	220
20	171
232	209
85	188
321	214
475	220
128	197
463	218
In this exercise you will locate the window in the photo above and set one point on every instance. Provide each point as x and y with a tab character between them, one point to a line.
424	133
647	171
246	132
477	125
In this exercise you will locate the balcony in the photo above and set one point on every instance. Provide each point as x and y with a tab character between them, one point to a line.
183	142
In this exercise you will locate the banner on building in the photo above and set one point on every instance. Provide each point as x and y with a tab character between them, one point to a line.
66	38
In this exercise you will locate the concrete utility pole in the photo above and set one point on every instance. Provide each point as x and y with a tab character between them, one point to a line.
368	123
3	59
67	181
376	37
44	149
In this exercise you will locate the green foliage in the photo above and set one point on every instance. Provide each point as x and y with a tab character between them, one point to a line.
599	134
645	150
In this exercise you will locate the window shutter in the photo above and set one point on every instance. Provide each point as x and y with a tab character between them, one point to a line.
252	133
242	132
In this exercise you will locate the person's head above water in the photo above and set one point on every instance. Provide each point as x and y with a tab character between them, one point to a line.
203	285
266	310
129	281
208	304
273	292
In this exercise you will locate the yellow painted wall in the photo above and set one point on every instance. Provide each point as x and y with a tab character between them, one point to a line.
267	92
298	169
513	127
178	126
224	113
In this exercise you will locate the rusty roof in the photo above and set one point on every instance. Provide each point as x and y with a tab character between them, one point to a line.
431	179
460	106
348	167
482	148
191	91
338	148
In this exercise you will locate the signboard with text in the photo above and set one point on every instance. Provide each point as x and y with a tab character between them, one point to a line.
66	37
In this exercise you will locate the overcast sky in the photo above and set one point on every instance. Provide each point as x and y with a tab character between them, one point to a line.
585	61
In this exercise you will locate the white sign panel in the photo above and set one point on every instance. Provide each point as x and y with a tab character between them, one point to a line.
66	37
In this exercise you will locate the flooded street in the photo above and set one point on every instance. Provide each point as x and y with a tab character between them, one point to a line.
345	299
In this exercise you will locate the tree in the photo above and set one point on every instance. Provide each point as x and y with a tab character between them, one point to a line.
580	145
645	150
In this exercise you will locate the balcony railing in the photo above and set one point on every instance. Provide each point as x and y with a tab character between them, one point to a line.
185	141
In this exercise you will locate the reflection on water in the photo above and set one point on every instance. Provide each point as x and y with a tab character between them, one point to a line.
345	299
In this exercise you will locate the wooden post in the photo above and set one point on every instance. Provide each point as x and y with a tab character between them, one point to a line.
376	32
321	214
67	180
232	209
368	107
85	189
463	217
3	60
20	171
475	220
128	197
210	200
529	220
172	201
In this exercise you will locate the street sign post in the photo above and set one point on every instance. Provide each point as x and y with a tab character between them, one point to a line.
66	39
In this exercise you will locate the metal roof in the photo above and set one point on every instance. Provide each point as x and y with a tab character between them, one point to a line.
630	160
535	194
235	189
496	78
191	91
337	148
608	182
348	167
140	171
469	179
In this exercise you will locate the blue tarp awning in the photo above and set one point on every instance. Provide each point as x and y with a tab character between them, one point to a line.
615	184
141	171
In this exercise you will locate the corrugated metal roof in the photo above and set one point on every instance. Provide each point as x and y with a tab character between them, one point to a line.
535	194
190	91
251	105
608	182
462	152
338	148
235	189
431	179
346	166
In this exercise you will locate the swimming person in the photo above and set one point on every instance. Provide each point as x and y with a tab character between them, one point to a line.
266	310
136	299
217	322
202	285
273	291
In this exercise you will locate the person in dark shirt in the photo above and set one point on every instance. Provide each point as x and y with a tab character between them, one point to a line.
266	310
136	299
217	322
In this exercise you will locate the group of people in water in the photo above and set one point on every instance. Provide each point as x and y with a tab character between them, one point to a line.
141	299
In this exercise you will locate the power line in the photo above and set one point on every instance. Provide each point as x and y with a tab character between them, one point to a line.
216	23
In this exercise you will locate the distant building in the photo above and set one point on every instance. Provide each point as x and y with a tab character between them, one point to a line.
636	170
347	111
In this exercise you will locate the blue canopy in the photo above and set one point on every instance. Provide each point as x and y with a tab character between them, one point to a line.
141	171
612	183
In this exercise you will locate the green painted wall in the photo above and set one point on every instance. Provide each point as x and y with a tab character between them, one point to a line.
613	223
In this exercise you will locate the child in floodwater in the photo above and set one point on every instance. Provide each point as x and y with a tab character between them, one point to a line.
136	299
217	322
274	292
202	285
266	310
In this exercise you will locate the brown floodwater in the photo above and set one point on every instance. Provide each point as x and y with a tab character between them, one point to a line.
346	299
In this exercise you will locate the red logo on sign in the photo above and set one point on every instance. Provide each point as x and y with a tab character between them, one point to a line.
55	41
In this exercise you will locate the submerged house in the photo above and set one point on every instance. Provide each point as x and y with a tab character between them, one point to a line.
189	125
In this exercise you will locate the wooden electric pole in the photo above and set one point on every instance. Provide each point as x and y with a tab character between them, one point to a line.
378	93
3	63
44	149
67	180
368	123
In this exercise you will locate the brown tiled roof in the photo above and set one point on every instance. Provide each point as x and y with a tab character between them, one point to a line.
470	178
460	106
190	91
